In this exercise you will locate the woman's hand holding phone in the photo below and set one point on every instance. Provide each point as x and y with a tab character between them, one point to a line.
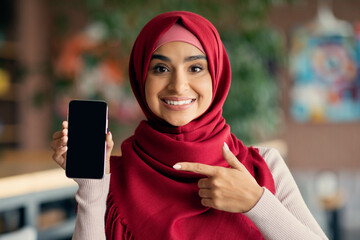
59	146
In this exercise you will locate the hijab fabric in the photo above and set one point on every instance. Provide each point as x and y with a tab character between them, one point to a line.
177	33
148	199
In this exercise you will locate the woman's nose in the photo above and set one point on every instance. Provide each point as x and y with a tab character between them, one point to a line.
178	82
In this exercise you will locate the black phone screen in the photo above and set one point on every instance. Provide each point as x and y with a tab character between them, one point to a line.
87	129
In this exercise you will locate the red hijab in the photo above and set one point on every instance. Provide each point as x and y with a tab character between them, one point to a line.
148	199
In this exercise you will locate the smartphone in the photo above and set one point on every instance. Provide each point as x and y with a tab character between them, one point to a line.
88	123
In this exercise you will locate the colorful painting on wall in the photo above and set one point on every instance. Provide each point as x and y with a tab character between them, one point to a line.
326	79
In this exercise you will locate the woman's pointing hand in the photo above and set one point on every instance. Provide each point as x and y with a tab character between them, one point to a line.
228	189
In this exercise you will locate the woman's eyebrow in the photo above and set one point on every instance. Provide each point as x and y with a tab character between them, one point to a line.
195	57
187	59
160	57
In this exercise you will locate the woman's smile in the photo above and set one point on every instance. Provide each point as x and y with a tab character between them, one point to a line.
177	103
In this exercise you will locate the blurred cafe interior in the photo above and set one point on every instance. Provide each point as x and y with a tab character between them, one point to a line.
295	87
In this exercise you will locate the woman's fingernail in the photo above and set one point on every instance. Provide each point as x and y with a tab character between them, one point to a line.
226	147
177	166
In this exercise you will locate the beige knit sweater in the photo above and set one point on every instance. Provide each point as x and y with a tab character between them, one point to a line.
280	216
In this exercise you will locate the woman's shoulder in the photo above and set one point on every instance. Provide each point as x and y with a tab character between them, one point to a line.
272	157
269	153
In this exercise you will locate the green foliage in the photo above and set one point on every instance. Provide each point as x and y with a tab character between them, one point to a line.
252	108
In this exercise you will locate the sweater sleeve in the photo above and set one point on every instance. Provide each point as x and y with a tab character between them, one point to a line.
285	214
91	199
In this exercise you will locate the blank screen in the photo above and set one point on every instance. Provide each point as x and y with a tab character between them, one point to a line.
86	142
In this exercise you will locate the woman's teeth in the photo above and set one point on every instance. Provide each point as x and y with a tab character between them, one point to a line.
183	102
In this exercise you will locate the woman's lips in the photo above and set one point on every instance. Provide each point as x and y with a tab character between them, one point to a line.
178	103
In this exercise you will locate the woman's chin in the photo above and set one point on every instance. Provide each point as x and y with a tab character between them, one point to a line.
178	122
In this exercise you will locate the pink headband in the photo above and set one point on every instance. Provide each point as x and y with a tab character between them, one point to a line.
178	33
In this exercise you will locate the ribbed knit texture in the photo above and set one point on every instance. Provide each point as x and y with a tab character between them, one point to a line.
91	198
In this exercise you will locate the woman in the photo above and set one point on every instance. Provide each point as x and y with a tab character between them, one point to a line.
183	175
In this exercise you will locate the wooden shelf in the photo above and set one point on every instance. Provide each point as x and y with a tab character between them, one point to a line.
34	182
30	191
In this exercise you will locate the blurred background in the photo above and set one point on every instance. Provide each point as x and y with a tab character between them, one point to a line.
295	86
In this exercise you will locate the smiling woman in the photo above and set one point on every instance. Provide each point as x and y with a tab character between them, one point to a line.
183	174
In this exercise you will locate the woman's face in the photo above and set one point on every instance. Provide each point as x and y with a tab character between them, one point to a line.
178	86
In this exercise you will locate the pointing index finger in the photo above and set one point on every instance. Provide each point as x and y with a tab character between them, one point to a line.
196	168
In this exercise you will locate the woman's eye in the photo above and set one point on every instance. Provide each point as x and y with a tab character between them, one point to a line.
196	69
160	69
